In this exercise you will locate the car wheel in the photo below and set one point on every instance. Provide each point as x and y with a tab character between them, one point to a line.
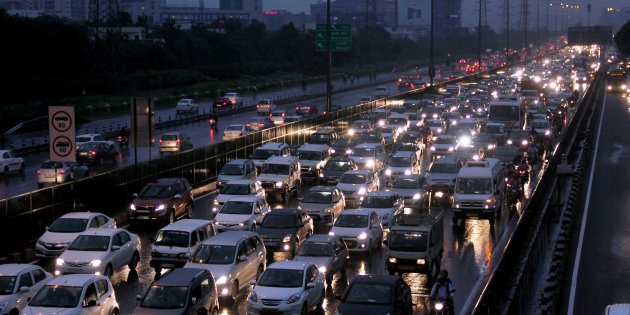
108	271
234	293
304	309
189	211
134	261
171	217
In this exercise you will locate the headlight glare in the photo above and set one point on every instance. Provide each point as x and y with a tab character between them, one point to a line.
362	236
95	263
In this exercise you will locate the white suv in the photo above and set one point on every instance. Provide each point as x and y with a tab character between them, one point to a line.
241	213
280	175
313	157
241	187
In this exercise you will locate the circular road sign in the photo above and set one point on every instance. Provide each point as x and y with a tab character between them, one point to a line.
62	146
61	121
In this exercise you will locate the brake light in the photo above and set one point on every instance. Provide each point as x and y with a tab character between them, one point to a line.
177	141
39	172
160	141
308	107
282	114
297	108
62	171
269	115
119	138
261	124
92	152
247	124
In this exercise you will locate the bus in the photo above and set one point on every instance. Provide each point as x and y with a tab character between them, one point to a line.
616	80
508	112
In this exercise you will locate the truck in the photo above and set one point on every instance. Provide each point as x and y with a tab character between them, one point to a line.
186	106
479	189
507	110
416	242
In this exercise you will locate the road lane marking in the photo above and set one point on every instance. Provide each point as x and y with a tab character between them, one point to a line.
578	254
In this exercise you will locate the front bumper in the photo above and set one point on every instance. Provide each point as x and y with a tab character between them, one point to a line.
48	251
277	245
232	227
273	307
480	213
83	268
356	245
407	265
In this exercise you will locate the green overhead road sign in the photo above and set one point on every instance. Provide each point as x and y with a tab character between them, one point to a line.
340	37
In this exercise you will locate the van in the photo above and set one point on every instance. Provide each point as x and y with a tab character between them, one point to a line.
174	243
479	187
416	243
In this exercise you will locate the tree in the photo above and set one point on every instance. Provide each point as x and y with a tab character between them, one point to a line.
622	39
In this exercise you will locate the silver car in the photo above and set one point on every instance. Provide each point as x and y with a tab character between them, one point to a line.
236	169
323	203
355	184
328	252
386	204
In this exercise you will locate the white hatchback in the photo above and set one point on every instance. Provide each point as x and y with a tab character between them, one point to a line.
18	284
241	213
361	230
100	252
234	188
234	131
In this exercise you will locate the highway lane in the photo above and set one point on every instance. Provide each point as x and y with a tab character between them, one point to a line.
467	251
200	133
601	278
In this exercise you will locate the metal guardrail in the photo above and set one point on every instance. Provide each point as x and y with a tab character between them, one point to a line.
512	282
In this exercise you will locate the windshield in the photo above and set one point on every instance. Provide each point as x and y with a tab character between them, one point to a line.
370	136
280	169
234	128
408	241
504	113
83	139
232	169
262	154
165	297
445	140
406	146
450	115
474	186
315	249
408	183
318	138
88	147
237	207
528	93
57	296
169	137
310	155
519	134
7	283
66	225
318	197
214	254
369	293
444	168
279	221
233	189
337	166
353	179
495	129
281	278
156	191
481	138
352	221
364	152
95	243
51	165
342	143
398	161
377	202
361	125
172	238
277	114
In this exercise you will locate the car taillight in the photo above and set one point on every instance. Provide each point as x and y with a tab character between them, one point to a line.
62	171
160	141
39	172
282	114
177	141
308	107
269	115
261	124
297	108
92	152
119	138
248	124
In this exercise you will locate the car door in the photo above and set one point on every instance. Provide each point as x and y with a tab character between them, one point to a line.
240	270
104	296
259	210
375	230
25	279
179	204
90	301
117	257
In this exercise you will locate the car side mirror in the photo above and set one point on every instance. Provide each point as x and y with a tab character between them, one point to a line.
115	248
310	285
242	258
193	300
25	289
202	311
135	195
91	303
177	197
138	297
252	282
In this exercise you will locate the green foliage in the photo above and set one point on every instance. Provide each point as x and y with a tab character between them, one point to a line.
157	79
622	39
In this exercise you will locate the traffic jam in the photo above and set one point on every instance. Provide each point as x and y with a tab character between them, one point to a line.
363	221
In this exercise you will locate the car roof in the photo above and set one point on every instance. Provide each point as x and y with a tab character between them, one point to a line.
386	279
313	147
289	264
180	277
102	231
14	269
381	193
361	172
185	224
285	211
241	182
617	309
357	212
74	280
322	188
446	160
238	161
321	238
368	145
404	154
281	159
246	198
228	238
272	145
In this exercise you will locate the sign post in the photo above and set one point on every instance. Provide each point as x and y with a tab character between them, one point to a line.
142	124
340	38
61	128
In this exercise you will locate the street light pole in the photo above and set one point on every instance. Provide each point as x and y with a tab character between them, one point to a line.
431	67
537	24
479	38
507	34
329	55
547	26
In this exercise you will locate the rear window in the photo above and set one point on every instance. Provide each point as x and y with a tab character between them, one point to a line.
169	137
234	128
51	165
277	114
83	139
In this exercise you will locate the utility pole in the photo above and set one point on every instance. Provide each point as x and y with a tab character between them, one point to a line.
431	67
547	26
329	53
588	14
507	34
525	15
537	24
482	9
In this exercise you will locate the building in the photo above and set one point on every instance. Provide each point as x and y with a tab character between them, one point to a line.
275	19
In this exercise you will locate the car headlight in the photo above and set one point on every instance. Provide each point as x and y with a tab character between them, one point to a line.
547	132
369	163
524	142
60	262
392	260
416	196
439	194
454	123
388	172
348	151
222	280
293	298
439	130
435	116
160	208
407	172
465	141
490	146
215	202
451	149
623	86
509	141
331	233
432	148
457	204
279	184
362	236
400	130
351	132
286	239
95	263
253	297
381	123
322	269
361	191
424	115
420	261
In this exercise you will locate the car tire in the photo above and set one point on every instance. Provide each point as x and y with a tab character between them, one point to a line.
304	309
108	271
234	292
189	211
134	261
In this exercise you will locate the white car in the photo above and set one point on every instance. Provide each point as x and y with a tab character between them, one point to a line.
9	162
542	127
292	287
18	284
59	173
235	98
100	252
66	228
234	131
386	204
234	188
277	116
186	105
75	294
361	230
354	184
265	106
90	137
241	213
381	92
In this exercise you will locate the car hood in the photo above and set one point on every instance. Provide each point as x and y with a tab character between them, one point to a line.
314	207
229	177
351	187
36	310
406	192
154	311
332	173
275	293
317	260
78	256
9	298
274	233
54	237
142	202
361	309
164	249
232	218
217	270
351	232
272	178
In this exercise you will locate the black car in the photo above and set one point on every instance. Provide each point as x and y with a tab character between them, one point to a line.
284	230
306	110
180	291
518	139
376	294
96	152
506	154
343	146
222	103
335	167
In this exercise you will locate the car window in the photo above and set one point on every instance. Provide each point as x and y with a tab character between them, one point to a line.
206	285
258	242
194	238
203	233
101	220
102	287
38	275
116	240
25	280
124	237
241	250
250	246
196	292
90	294
311	273
94	223
373	218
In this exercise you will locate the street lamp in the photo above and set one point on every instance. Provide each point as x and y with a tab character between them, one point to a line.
507	33
431	67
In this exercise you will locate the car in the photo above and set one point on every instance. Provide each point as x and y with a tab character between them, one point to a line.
616	309
506	154
66	228
90	137
518	139
180	291
235	98
241	187
328	252
20	282
221	103
542	127
411	188
436	126
361	230
342	147
234	131
10	163
280	175
235	170
313	157
354	184
323	136
100	252
186	105
381	92
241	213
409	143
306	110
277	116
59	172
486	142
97	152
265	106
335	167
284	230
260	123
373	137
376	294
292	287
235	258
361	125
402	163
164	199
175	142
266	150
84	294
323	203
443	145
370	156
387	204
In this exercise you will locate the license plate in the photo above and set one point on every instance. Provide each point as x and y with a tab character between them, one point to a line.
471	214
406	267
143	217
50	175
168	265
83	153
331	181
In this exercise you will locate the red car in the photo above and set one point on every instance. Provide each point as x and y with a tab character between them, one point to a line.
222	103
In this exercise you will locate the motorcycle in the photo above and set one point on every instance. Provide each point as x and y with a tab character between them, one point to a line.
523	174
440	306
213	124
514	194
123	142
